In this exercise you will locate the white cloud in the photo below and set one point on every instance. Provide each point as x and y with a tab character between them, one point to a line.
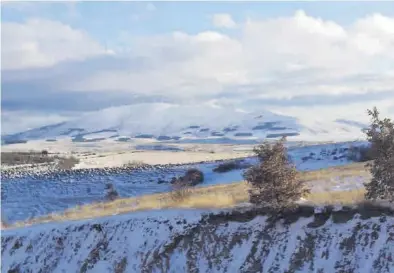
223	20
281	57
276	58
41	43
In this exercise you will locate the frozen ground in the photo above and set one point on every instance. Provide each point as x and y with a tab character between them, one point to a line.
176	241
27	197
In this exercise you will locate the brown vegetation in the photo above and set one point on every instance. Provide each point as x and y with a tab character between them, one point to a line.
180	192
43	157
192	177
218	196
19	158
229	166
67	163
274	180
135	164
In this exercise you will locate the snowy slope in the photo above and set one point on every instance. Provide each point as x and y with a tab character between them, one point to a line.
169	121
187	241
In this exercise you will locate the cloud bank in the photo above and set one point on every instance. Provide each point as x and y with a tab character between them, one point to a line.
279	63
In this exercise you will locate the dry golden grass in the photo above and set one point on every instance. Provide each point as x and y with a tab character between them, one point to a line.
218	196
209	197
355	169
337	197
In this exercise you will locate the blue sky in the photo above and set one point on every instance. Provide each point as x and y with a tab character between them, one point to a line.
106	20
279	54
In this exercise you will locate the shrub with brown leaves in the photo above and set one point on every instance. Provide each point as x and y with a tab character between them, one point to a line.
274	180
381	137
192	177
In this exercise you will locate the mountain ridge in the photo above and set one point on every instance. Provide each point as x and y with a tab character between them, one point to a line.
171	122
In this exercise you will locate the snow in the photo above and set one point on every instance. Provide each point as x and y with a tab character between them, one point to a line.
192	122
27	197
100	135
180	241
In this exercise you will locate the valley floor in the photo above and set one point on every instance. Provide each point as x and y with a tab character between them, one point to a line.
335	185
114	154
109	153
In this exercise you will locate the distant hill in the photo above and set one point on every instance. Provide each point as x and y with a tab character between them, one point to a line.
204	122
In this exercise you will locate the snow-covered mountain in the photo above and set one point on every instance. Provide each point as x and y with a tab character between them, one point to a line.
356	240
164	122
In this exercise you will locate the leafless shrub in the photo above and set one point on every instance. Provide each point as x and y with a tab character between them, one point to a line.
180	192
381	138
274	179
135	164
19	158
67	163
112	194
229	166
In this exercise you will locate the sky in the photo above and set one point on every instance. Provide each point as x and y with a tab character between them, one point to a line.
62	59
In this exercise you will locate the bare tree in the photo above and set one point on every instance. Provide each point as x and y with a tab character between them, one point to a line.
381	138
274	180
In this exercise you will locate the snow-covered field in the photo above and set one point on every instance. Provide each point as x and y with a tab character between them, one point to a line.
187	241
110	153
31	196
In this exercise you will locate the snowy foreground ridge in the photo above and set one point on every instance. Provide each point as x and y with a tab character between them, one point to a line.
179	241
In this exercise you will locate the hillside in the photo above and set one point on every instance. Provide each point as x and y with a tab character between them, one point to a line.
208	122
305	240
